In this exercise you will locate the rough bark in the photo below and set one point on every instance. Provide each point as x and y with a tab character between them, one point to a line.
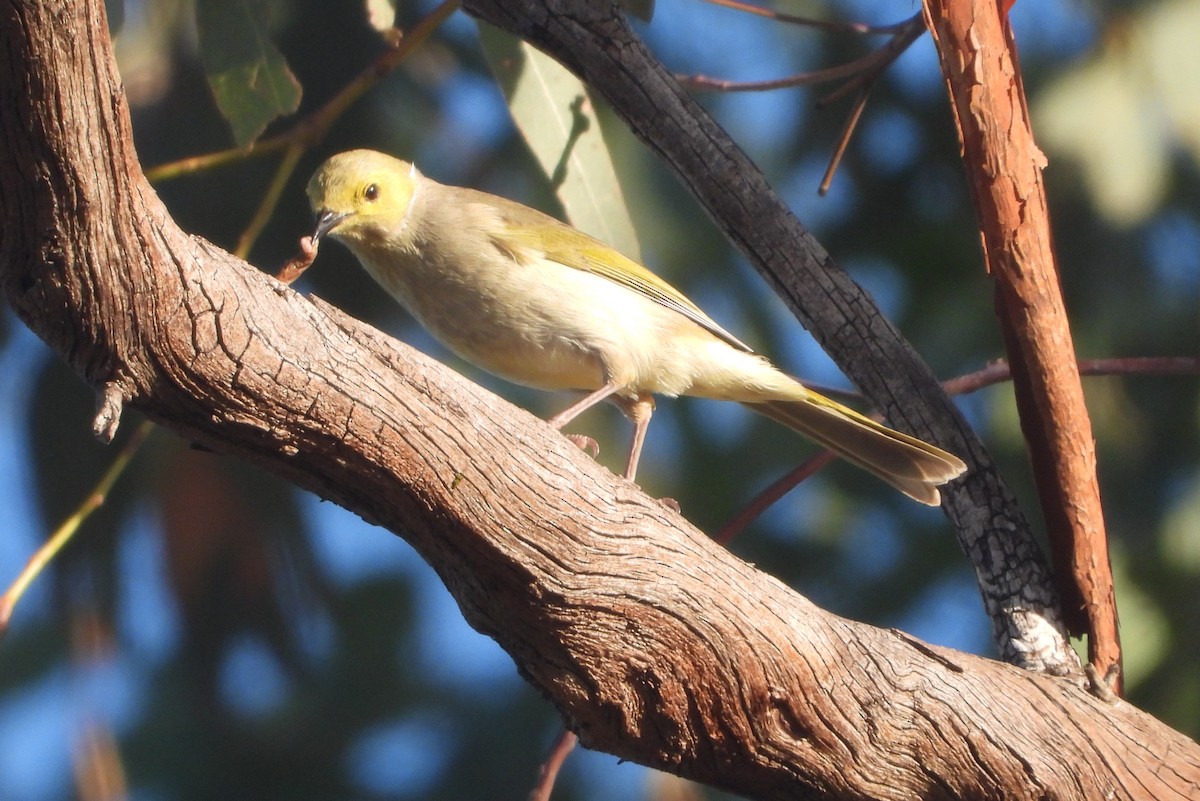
656	645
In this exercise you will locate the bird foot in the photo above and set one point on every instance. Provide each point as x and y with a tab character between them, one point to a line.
671	504
585	443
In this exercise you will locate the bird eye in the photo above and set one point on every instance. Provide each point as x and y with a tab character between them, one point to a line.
371	192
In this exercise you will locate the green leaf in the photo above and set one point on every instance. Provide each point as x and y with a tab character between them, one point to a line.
247	73
554	113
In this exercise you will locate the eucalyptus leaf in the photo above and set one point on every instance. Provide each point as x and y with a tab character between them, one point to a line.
248	75
555	115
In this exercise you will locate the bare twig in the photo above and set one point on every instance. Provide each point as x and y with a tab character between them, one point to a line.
860	74
848	129
548	771
909	32
778	488
861	71
827	75
834	26
999	371
58	540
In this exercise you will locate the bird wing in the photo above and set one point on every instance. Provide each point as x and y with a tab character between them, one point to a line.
570	247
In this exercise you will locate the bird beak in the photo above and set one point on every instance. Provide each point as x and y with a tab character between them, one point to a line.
326	222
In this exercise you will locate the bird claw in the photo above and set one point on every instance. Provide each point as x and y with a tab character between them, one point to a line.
585	443
671	504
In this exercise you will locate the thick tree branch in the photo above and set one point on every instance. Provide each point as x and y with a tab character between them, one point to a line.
656	644
594	40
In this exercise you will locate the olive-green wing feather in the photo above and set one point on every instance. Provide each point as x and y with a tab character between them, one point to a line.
571	247
610	264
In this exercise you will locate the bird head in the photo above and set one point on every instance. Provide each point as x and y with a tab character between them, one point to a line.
360	195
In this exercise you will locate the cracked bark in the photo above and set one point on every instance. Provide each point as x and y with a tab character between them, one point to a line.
654	643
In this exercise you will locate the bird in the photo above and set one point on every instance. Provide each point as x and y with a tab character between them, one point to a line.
537	302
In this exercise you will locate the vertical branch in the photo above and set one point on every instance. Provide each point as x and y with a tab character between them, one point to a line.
979	60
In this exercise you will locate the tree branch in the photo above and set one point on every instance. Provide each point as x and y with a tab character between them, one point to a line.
1004	165
655	644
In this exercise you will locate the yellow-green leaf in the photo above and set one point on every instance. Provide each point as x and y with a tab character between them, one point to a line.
555	115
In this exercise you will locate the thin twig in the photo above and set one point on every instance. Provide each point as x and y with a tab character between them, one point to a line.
835	159
64	533
548	772
767	498
999	370
847	70
910	31
861	71
835	26
860	74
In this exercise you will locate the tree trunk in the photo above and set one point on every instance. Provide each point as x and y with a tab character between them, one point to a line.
655	644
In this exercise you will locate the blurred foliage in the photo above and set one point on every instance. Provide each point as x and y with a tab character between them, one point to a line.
249	653
1124	113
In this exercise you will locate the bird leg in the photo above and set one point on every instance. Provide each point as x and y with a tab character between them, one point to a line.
583	441
571	412
639	411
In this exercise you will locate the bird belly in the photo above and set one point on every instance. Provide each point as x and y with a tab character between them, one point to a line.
567	339
535	361
502	319
549	326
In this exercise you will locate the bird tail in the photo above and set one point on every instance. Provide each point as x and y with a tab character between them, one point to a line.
914	467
